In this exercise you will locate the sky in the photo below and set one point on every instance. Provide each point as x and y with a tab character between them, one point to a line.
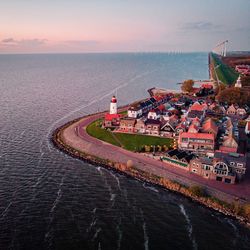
78	26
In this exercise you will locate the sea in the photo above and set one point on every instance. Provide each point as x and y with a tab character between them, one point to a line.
49	200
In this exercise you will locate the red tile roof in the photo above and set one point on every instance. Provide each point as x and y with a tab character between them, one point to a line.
161	107
207	86
197	135
198	107
192	126
210	125
110	117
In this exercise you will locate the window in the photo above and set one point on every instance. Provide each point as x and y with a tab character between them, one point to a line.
218	178
227	180
239	165
194	170
232	163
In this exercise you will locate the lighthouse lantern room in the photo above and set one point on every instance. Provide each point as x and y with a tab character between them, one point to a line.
113	105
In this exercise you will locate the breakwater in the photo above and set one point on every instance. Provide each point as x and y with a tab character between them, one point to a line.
195	193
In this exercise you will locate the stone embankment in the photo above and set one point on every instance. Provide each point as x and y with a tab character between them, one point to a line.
196	193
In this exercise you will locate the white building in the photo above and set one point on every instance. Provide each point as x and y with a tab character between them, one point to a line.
113	106
238	83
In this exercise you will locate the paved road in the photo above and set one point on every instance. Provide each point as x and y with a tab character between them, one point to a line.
76	136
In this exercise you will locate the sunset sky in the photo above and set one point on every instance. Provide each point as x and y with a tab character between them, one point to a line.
72	26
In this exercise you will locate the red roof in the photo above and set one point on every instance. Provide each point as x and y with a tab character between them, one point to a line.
210	125
197	135
227	149
158	98
110	117
113	100
198	107
207	86
174	100
192	126
161	107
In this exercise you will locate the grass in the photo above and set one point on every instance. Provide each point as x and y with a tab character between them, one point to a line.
132	142
225	73
94	129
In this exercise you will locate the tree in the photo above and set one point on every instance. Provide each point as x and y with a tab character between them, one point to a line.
234	95
188	86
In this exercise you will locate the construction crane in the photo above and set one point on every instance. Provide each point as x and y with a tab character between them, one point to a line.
221	48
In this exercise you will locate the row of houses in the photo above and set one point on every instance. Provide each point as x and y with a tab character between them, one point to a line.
243	69
223	167
137	110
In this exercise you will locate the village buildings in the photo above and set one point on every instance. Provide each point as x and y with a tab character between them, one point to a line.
206	132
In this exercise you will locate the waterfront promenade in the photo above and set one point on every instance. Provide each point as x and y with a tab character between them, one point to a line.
76	136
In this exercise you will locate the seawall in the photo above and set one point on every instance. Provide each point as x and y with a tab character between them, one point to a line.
216	199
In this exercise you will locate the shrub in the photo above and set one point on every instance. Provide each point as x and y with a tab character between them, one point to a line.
246	210
198	191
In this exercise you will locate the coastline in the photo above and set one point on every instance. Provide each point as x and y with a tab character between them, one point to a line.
61	143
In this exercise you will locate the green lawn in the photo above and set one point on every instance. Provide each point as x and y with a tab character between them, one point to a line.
225	73
132	142
94	129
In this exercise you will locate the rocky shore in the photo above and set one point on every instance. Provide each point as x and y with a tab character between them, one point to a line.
194	193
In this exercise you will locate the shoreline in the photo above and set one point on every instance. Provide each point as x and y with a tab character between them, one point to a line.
212	203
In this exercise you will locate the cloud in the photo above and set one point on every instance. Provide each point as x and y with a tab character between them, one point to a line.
8	40
199	26
24	42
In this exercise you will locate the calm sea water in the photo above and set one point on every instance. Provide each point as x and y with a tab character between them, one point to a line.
49	200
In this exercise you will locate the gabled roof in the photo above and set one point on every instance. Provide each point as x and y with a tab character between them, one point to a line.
181	125
110	117
152	121
198	107
191	127
168	123
197	135
209	125
180	154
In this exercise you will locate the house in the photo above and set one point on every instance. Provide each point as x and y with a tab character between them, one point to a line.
231	110
229	163
135	111
199	142
140	126
196	121
127	125
168	129
180	128
192	114
229	144
193	128
153	127
247	128
241	112
178	158
111	120
210	127
202	166
154	114
217	109
210	169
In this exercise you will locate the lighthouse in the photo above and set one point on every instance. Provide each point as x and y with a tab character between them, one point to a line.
113	105
238	83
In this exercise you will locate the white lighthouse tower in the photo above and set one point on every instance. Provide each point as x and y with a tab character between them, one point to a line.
113	106
238	83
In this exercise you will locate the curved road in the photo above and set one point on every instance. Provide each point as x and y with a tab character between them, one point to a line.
76	136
